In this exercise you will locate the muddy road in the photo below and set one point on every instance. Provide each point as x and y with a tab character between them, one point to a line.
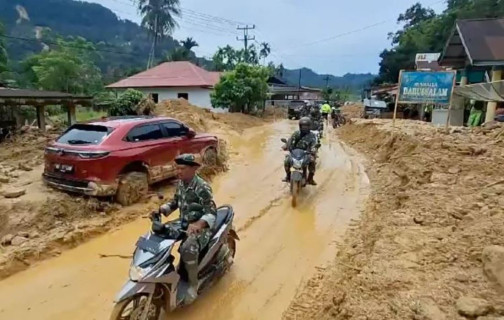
280	246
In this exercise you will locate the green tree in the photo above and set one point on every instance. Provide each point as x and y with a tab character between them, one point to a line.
424	31
3	51
179	54
126	104
68	67
242	90
265	51
158	16
183	53
227	58
189	43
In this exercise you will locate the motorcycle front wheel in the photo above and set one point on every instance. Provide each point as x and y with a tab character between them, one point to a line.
295	186
133	308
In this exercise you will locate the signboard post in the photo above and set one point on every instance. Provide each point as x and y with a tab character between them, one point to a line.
421	87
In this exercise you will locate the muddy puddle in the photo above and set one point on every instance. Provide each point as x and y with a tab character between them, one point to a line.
280	246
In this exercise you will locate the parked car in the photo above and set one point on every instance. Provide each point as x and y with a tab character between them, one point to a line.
121	156
374	108
295	109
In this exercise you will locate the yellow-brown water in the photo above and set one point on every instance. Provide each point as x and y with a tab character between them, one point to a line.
280	246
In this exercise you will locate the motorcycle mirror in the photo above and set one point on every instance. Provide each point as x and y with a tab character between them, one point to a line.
283	140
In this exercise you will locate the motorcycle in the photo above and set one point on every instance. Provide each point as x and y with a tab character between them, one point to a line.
338	120
318	129
156	283
299	172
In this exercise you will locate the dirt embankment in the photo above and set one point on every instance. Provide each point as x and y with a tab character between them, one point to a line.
37	222
428	243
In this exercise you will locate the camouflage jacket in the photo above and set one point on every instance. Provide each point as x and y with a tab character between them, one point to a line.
307	142
197	192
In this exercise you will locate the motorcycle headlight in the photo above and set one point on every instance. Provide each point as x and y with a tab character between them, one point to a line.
297	164
136	273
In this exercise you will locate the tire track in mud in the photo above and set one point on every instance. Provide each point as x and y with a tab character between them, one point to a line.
280	246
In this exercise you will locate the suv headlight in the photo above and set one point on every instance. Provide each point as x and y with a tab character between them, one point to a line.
136	273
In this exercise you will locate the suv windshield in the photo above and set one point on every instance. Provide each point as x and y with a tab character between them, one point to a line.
84	134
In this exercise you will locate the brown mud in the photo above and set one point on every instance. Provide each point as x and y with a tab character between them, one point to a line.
43	222
280	247
416	253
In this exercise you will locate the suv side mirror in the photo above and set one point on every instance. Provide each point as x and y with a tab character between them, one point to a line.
191	133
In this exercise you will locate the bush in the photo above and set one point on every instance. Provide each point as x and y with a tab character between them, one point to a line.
126	104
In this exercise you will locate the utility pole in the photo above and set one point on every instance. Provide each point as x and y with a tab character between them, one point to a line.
246	36
327	78
299	84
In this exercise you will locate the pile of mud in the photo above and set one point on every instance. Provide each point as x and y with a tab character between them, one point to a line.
353	111
28	144
204	120
43	222
431	235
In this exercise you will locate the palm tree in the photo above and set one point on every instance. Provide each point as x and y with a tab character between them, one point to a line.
189	43
265	51
158	16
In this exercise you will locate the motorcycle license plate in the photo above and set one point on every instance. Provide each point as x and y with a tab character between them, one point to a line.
148	245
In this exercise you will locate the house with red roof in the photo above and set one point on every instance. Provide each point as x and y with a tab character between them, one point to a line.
173	80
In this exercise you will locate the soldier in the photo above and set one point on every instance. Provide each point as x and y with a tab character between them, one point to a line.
306	140
194	199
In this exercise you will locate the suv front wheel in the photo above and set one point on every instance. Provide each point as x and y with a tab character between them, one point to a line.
133	186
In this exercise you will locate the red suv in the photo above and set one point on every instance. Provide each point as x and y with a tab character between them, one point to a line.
121	156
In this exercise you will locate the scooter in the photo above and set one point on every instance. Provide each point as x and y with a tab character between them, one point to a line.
156	283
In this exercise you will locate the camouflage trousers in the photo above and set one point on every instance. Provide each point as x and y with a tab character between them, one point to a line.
194	244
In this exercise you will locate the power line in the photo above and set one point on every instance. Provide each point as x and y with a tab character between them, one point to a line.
353	31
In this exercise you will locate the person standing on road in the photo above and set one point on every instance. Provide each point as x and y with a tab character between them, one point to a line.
306	140
325	110
194	199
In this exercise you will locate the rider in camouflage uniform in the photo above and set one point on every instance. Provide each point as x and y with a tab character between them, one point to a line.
306	140
193	198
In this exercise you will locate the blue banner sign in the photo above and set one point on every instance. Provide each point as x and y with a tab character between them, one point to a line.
426	87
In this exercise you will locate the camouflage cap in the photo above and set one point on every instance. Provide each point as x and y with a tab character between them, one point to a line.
187	159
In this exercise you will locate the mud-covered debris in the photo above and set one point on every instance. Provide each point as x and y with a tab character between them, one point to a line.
490	318
18	240
473	307
7	239
13	193
4	179
427	309
493	263
34	235
25	167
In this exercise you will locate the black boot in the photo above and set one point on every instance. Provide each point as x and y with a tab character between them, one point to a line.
287	177
310	180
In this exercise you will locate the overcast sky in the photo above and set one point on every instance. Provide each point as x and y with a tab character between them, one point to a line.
328	36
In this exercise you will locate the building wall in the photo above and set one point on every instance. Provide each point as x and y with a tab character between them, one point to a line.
197	96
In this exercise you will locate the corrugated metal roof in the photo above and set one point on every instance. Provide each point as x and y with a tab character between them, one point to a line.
484	39
170	74
480	41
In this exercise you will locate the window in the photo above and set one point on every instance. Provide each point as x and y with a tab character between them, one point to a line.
82	134
183	96
174	129
144	133
155	97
